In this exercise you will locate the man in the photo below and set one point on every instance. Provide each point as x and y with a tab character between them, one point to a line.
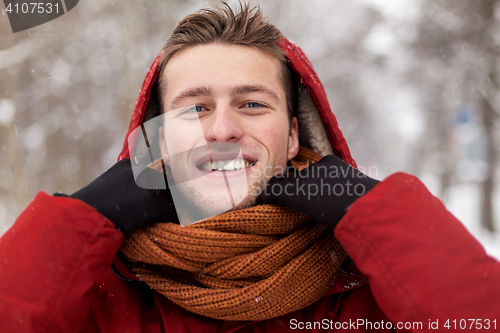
261	266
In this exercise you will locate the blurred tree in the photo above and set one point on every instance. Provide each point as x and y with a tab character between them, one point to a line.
72	84
14	186
332	36
456	48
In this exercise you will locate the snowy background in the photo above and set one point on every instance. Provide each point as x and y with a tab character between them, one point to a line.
413	83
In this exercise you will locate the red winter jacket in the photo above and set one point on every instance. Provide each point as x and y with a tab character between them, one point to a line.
416	266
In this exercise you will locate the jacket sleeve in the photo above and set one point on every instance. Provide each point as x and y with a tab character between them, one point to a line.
422	264
50	260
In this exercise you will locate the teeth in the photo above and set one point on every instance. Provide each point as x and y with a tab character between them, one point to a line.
228	165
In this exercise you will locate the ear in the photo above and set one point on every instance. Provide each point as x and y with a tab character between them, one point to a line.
163	146
293	140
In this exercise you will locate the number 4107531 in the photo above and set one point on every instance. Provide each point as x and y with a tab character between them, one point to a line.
32	8
477	324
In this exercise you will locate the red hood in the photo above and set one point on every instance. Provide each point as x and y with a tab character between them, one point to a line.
309	79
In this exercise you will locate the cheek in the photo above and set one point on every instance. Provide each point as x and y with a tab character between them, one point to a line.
275	137
181	138
173	141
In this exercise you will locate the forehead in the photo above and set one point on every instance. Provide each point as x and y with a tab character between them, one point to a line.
222	67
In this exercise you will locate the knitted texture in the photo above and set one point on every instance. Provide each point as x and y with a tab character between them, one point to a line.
252	264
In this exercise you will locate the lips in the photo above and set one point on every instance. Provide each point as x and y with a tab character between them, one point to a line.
227	165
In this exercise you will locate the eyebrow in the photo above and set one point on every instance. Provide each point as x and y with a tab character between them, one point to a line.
206	91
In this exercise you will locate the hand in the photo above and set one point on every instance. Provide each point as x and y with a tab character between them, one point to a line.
116	195
323	190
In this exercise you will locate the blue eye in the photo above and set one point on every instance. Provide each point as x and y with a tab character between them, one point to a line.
253	105
194	109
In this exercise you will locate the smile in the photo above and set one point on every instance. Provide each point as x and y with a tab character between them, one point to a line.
229	165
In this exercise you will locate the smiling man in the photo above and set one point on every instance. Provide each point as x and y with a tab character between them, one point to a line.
278	230
225	93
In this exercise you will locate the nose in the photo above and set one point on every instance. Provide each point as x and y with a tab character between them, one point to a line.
224	125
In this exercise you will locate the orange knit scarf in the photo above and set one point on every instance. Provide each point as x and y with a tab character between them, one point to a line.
252	264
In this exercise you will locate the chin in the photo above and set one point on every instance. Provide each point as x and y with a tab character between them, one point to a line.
205	204
248	202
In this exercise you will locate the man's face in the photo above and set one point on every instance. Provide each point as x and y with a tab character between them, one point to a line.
223	95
